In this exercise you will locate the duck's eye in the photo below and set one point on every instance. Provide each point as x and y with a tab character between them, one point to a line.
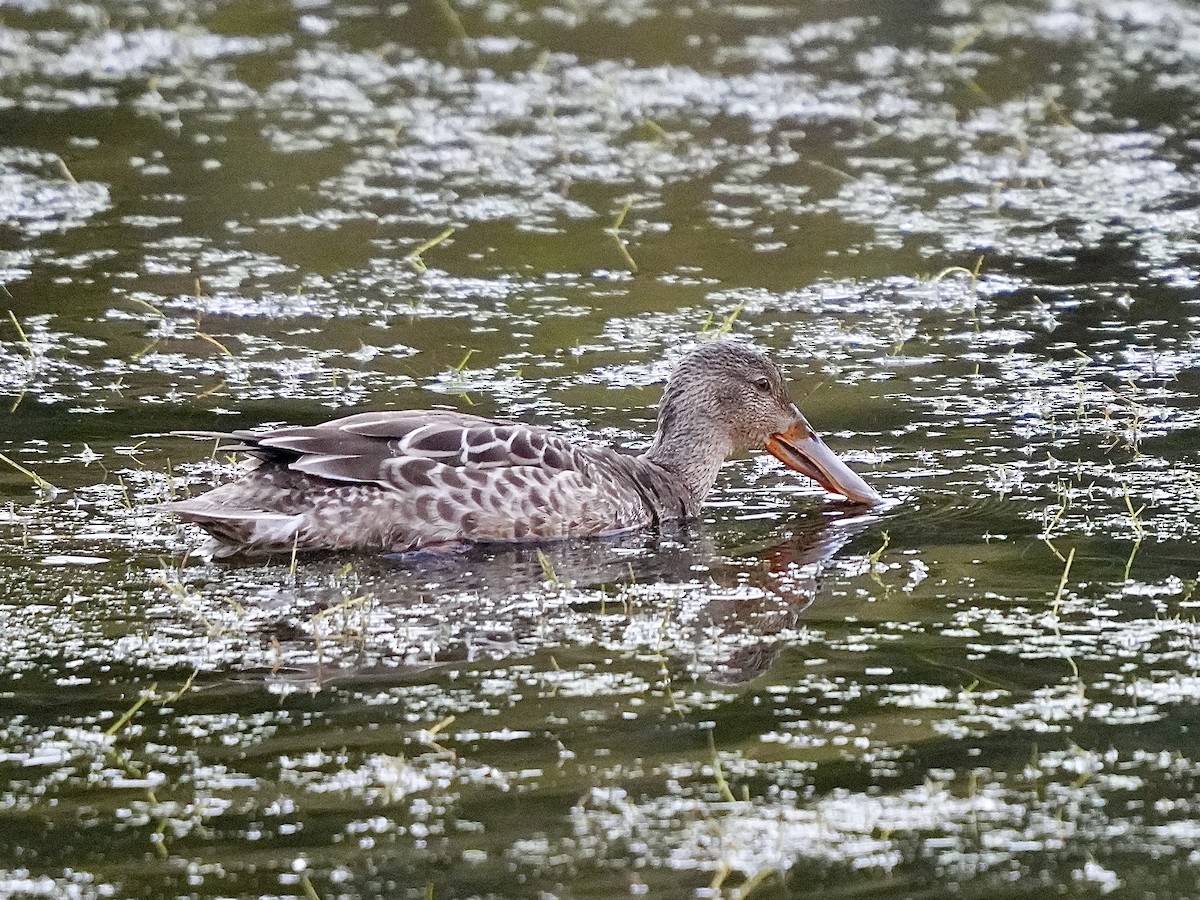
763	385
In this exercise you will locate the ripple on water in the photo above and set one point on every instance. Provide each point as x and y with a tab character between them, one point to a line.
968	232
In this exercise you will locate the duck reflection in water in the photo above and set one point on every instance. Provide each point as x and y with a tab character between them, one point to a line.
725	616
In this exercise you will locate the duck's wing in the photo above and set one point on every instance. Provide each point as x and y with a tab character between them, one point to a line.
446	477
395	448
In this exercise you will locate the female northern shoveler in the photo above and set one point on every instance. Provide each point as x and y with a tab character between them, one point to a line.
398	481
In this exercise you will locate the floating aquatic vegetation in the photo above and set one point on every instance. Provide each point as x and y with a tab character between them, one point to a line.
968	233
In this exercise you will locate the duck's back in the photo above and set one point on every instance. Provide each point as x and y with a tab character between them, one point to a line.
397	481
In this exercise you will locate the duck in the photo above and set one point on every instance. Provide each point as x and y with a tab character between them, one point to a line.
435	479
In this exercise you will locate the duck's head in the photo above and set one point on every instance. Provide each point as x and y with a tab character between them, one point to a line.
724	397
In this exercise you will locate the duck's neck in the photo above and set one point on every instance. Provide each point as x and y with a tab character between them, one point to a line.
690	452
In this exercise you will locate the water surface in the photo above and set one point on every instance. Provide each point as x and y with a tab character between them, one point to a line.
968	232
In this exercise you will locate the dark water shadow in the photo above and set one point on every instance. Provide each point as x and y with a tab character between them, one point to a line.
725	613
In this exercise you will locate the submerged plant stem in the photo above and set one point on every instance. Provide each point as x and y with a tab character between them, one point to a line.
1062	583
131	712
718	774
416	260
622	245
28	473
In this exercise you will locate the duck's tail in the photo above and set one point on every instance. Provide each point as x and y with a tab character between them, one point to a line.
239	530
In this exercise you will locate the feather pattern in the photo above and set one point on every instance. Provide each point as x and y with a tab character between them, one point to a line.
398	481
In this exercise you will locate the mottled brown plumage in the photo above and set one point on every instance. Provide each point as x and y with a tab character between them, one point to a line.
398	481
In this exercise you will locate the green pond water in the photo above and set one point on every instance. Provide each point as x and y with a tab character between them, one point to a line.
968	231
